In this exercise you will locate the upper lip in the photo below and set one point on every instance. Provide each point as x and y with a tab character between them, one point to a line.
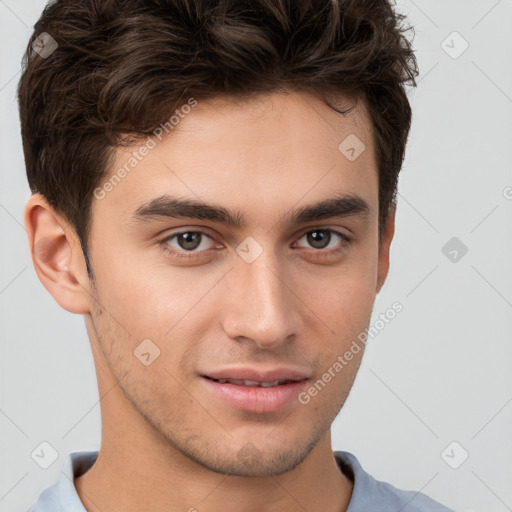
252	374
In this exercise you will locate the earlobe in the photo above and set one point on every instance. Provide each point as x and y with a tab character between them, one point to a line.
57	255
384	247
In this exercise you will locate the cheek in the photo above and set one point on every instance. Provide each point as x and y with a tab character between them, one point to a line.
341	298
171	307
152	297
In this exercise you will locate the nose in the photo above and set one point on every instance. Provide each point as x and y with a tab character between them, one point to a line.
261	304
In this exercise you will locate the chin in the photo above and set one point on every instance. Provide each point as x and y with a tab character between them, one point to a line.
253	460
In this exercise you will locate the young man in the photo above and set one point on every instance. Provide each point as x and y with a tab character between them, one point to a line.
214	190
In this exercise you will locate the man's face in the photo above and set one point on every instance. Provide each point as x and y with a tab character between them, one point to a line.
273	299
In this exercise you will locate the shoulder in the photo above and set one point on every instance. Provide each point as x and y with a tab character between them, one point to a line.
62	495
371	493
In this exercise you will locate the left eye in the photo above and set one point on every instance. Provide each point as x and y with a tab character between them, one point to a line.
321	238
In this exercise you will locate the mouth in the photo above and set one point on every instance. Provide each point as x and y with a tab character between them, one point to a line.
260	393
253	383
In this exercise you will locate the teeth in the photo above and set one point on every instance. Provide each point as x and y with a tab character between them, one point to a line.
231	381
270	384
252	383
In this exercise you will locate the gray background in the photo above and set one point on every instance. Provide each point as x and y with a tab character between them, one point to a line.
438	373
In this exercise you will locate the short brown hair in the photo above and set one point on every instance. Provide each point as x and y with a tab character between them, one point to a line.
123	66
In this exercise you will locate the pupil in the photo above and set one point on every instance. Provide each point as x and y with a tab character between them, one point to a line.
319	239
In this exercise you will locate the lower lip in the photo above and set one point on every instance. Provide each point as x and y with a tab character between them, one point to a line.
256	399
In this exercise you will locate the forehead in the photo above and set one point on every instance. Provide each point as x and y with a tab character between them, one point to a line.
266	153
276	123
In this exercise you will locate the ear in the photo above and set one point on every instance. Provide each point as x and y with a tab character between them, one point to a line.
388	230
57	255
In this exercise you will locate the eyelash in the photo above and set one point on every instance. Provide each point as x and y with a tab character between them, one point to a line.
317	252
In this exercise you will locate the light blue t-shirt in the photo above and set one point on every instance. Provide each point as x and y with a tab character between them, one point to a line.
368	495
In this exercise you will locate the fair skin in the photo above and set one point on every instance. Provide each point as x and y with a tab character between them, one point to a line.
170	442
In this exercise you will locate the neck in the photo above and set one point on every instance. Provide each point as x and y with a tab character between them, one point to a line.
129	478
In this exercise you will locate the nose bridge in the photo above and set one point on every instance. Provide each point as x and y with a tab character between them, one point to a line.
261	306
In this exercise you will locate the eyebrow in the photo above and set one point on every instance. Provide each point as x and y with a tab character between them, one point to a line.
166	206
